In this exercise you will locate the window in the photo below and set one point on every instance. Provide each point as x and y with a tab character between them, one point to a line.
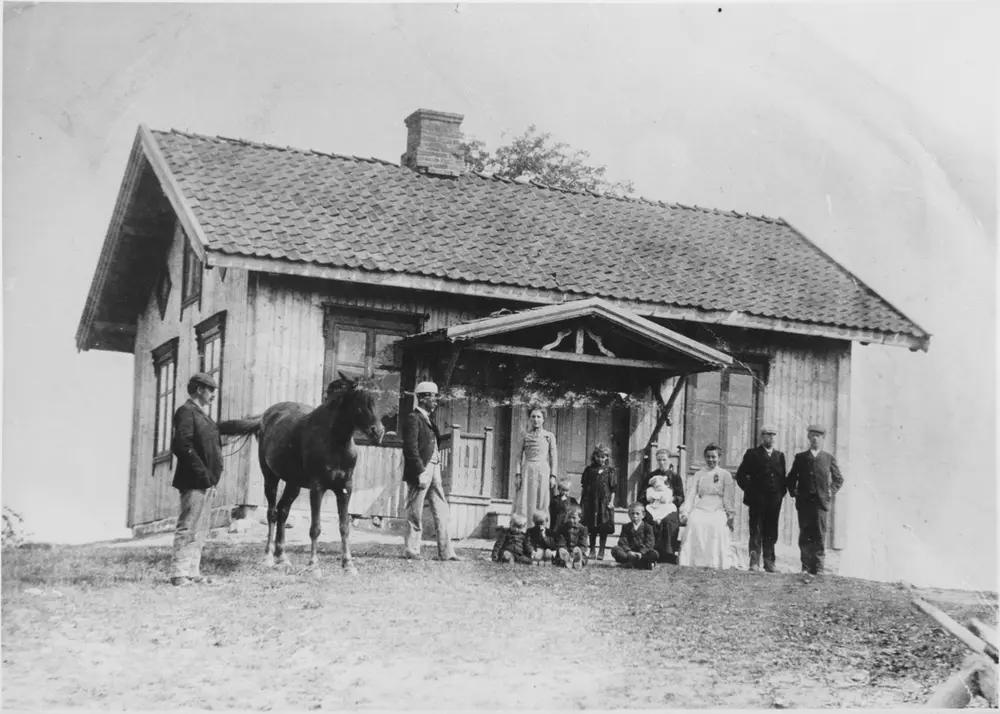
363	344
165	367
722	409
191	279
211	338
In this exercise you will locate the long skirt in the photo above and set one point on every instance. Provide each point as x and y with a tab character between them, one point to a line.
706	540
534	493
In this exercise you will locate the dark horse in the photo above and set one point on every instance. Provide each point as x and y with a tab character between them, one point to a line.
314	449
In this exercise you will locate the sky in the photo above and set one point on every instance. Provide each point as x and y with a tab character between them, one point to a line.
870	127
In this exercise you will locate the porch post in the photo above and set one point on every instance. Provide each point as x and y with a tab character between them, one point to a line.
453	457
487	467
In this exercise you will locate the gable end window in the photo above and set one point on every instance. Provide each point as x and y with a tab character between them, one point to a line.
211	336
192	273
362	343
722	408
165	369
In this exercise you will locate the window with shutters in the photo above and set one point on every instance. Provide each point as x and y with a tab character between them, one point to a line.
211	341
722	409
165	368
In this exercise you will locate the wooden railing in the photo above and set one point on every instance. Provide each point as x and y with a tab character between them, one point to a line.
467	462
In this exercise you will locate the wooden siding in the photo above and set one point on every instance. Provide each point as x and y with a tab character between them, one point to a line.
151	497
287	345
275	351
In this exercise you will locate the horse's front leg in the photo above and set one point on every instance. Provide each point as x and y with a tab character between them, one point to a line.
343	501
315	528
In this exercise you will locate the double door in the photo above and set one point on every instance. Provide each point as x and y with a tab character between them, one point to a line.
577	430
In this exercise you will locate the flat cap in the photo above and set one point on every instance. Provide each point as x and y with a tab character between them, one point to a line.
816	428
202	380
426	388
768	429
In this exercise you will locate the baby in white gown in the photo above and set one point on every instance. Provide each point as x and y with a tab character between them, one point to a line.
659	499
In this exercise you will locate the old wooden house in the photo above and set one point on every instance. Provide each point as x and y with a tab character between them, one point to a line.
635	322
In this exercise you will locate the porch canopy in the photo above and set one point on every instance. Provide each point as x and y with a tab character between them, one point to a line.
590	341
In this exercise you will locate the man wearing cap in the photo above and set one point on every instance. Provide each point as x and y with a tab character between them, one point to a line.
422	475
812	482
198	448
761	475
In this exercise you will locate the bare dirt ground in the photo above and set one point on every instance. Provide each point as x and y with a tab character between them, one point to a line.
99	627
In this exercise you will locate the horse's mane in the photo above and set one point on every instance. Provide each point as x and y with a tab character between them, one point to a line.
339	389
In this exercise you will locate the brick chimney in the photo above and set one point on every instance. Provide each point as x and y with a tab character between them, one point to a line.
433	143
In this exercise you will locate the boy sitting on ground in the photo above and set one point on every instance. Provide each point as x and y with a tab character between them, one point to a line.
572	541
512	545
560	503
636	544
542	543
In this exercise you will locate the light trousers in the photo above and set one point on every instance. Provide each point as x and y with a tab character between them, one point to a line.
415	496
193	524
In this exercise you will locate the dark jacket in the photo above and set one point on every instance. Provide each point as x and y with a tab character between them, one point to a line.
637	539
541	538
558	508
516	544
420	439
761	476
674	480
813	481
570	537
198	448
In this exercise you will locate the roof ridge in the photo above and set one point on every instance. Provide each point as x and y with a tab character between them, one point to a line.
275	147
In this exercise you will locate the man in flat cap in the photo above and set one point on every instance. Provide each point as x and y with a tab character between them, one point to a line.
761	475
812	482
422	475
198	448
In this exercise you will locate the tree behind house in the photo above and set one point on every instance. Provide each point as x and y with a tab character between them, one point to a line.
536	156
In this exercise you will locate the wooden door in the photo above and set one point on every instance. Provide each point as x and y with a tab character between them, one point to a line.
577	430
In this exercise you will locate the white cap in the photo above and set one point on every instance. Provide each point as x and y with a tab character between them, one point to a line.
426	388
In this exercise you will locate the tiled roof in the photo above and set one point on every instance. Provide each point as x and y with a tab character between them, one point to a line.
270	202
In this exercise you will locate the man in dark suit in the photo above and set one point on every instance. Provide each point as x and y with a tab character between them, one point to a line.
761	475
422	475
198	449
812	482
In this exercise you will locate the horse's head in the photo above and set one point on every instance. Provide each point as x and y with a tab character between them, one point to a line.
357	398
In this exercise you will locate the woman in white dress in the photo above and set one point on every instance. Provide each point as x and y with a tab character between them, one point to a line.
708	513
536	467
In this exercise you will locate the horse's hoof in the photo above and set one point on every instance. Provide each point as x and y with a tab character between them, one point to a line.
269	561
349	569
284	562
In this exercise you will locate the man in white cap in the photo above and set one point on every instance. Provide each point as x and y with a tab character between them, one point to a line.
422	475
812	482
762	477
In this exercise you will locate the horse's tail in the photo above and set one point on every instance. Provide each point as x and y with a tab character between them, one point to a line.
241	427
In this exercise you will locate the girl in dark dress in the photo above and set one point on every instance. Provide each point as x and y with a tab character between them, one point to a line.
597	498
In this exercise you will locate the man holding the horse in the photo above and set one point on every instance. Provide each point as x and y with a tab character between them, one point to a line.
198	448
422	475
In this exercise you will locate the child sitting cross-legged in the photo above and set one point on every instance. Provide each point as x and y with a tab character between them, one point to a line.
571	541
636	544
512	544
542	543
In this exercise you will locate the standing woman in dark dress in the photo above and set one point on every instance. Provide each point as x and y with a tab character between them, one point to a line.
597	498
